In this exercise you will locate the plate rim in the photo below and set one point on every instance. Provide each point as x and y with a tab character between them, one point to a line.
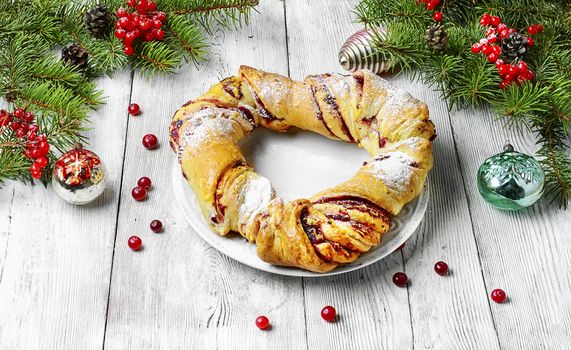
410	227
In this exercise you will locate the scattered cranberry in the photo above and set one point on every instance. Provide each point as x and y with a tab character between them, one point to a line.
134	109
139	193
496	20
144	182
498	295
135	243
156	226
262	323
437	16
328	313
530	42
400	279
150	141
441	268
476	48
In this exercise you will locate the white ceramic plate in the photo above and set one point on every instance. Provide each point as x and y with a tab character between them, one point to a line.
299	164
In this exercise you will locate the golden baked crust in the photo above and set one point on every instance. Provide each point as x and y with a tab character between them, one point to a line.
336	225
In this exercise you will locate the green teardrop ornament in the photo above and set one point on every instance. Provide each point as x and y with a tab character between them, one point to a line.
511	180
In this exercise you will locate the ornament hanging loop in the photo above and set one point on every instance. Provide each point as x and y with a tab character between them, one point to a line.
508	147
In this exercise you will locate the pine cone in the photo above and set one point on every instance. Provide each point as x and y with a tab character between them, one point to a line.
75	55
514	46
98	21
437	37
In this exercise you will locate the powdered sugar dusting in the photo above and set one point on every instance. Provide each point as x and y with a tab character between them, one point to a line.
274	90
397	100
203	125
257	193
412	143
394	169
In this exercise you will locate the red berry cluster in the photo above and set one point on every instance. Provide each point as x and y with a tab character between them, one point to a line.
430	6
144	22
37	147
490	46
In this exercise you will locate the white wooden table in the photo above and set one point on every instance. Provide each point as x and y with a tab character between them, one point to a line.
69	281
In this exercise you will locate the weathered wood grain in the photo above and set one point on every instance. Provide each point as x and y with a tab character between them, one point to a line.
53	291
526	253
178	292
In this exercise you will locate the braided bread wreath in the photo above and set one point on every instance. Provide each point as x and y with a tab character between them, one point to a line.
336	225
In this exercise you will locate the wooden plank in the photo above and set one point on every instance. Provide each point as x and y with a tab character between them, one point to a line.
526	253
178	292
6	199
53	292
457	315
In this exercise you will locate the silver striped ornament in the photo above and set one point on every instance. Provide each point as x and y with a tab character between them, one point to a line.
357	52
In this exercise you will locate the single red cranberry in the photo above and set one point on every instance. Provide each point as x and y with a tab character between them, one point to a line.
35	153
151	6
400	279
498	295
149	36
157	24
161	16
437	16
28	116
496	20
44	148
530	42
131	3
502	26
36	174
492	57
42	161
135	243
159	34
20	133
476	48
441	268
156	226
538	28
150	141
128	49
19	113
134	109
120	33
485	20
144	182
139	193
145	25
262	322
121	12
328	313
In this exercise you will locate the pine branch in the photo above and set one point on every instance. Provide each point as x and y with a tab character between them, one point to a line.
228	13
555	162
